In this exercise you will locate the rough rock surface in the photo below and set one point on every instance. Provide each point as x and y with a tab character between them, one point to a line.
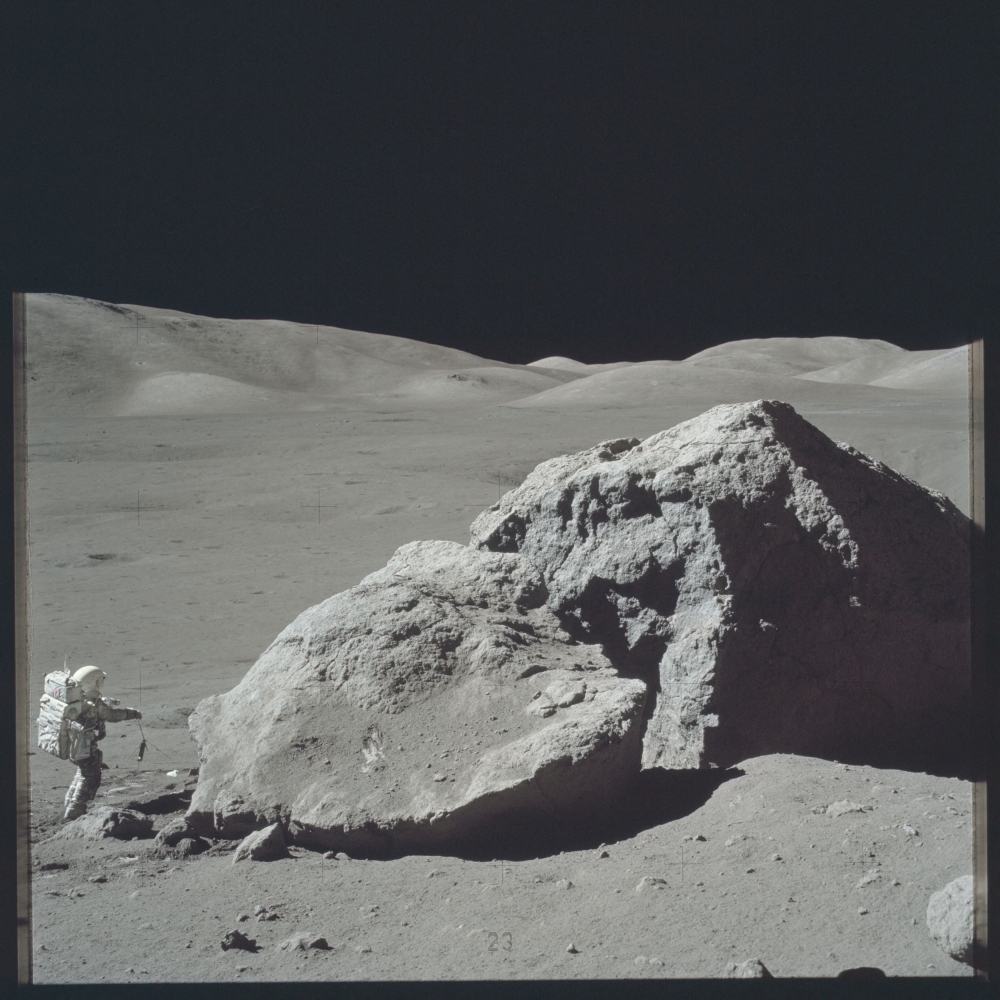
262	845
780	593
393	716
100	822
950	919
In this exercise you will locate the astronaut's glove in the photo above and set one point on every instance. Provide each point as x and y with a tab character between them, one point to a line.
136	714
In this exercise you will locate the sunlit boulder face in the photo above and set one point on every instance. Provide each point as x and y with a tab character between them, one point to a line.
779	592
437	697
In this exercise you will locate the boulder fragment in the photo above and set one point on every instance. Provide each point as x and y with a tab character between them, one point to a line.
444	630
950	919
757	575
101	822
262	845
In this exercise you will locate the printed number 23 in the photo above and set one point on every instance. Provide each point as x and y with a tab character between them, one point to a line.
508	941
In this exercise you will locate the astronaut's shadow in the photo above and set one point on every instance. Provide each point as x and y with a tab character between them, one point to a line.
656	796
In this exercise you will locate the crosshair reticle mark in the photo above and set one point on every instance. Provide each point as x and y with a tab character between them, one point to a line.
319	507
139	507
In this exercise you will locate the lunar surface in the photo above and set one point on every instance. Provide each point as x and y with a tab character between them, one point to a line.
196	484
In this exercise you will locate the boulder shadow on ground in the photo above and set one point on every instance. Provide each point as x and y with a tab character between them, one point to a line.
657	796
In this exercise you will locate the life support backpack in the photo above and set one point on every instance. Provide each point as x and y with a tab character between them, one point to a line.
59	732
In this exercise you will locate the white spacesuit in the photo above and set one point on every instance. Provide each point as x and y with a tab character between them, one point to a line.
88	729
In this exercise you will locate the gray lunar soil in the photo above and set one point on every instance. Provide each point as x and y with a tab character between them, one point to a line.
197	485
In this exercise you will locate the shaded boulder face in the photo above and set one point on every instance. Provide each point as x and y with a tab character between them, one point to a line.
779	592
434	699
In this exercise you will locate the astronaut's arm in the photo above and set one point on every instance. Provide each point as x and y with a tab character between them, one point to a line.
109	713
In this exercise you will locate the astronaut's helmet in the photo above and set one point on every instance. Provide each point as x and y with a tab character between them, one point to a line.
90	679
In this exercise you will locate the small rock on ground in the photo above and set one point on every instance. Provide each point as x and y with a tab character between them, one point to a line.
263	845
752	968
650	882
103	821
862	972
235	939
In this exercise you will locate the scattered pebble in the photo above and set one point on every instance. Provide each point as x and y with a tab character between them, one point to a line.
572	949
564	883
650	882
698	837
699	883
775	857
242	917
656	961
842	807
341	856
363	950
330	855
909	831
895	881
98	878
640	959
439	777
750	871
432	873
862	910
604	854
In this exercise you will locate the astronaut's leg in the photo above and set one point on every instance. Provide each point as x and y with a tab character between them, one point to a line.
84	785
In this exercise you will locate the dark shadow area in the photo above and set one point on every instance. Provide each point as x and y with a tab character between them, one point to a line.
657	796
603	614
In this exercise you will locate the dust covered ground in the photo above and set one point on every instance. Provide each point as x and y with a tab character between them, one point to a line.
772	878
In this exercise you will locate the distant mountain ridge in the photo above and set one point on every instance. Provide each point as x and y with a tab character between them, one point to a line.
91	358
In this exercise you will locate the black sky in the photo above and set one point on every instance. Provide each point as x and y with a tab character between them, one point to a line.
606	181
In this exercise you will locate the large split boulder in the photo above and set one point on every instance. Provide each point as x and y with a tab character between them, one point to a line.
437	697
737	586
779	592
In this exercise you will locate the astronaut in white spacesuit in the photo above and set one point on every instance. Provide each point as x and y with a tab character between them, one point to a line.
86	731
